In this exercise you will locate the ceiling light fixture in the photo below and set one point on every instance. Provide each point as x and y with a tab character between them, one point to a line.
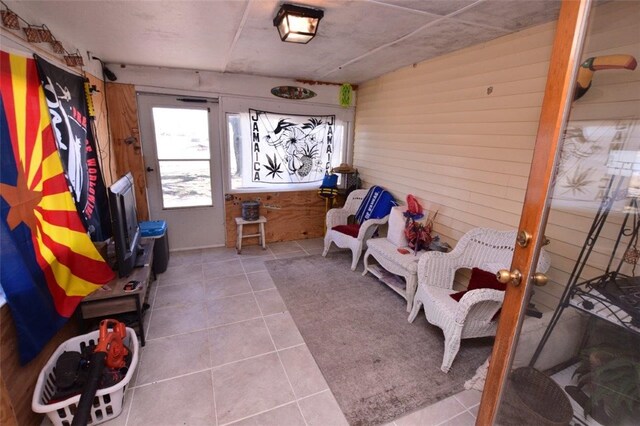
297	24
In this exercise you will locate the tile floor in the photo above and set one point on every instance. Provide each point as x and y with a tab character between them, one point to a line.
222	349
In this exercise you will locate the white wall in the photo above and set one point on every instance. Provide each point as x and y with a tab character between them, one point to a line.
171	80
458	131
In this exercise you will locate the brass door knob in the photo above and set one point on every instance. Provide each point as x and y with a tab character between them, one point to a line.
523	239
540	279
505	277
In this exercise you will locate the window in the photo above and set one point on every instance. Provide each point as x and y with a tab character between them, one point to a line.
182	143
278	151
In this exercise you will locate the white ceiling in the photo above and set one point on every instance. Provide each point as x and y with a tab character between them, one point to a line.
357	39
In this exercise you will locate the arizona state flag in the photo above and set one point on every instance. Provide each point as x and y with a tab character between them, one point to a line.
48	261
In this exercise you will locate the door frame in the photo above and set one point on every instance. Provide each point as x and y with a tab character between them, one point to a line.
563	66
172	100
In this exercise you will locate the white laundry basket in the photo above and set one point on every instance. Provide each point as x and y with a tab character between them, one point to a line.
107	403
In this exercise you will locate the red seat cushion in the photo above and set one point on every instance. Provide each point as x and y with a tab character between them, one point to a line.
484	279
481	279
350	230
457	296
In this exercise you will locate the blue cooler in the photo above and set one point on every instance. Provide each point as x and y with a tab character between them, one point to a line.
157	229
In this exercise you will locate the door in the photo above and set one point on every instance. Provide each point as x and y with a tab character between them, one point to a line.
181	146
580	362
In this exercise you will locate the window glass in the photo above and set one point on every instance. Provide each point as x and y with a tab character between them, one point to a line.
185	183
282	151
182	143
181	133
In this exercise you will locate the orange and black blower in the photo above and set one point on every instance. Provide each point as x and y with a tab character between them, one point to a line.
110	352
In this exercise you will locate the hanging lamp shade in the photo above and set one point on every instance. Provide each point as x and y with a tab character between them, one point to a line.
297	24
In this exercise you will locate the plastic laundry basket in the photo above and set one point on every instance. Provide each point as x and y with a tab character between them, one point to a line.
107	403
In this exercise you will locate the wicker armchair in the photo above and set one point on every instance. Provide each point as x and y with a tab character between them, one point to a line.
339	216
472	316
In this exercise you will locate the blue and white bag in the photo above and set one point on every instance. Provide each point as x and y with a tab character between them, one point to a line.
376	204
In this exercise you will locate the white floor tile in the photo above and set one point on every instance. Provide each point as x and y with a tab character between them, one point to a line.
184	400
215	319
250	387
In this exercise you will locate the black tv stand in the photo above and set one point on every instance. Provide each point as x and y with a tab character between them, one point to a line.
143	255
111	299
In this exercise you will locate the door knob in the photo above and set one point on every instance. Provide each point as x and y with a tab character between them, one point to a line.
150	169
540	279
505	277
524	238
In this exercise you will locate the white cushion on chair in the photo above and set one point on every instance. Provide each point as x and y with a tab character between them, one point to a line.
395	232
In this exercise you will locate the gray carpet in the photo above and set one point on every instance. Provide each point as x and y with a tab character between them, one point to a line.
377	364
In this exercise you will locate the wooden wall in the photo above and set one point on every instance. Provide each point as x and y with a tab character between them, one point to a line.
107	161
290	215
125	140
20	381
458	131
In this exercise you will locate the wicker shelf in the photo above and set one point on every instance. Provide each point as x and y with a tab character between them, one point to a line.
395	282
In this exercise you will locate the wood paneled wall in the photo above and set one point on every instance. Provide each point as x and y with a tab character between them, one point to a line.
125	140
20	381
458	131
7	413
107	161
290	215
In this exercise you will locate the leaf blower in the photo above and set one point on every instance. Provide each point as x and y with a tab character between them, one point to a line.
109	352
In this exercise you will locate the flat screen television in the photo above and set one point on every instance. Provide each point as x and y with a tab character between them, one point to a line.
124	220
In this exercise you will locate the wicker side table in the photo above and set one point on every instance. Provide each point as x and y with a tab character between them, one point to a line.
404	265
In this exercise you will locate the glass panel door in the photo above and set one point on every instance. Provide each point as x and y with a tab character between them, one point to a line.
576	357
181	143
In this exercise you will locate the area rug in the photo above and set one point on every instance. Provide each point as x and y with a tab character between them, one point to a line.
377	364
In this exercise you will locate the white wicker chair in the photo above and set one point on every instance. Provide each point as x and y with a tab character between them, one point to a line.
339	216
471	317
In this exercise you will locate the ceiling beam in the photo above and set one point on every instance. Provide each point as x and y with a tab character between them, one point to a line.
439	18
243	21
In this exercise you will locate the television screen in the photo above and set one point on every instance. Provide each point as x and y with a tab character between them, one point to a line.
124	219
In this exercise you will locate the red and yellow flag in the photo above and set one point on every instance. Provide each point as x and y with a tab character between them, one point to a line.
48	261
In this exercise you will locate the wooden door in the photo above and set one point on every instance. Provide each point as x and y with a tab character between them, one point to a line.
565	58
583	194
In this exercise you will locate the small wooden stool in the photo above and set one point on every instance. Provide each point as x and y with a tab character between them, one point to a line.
240	222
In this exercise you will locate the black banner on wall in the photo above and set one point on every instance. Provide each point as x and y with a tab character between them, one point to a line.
74	138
